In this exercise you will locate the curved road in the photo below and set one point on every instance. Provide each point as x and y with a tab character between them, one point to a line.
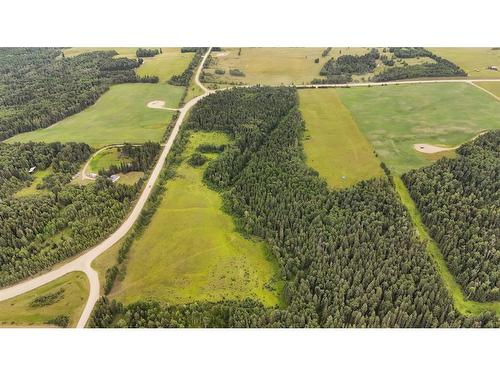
84	261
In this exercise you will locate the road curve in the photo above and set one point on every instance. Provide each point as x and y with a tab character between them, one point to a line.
83	262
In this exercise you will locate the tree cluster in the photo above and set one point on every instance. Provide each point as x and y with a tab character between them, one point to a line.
184	78
146	52
140	158
41	87
459	202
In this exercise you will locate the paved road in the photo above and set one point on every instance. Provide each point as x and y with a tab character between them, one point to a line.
84	261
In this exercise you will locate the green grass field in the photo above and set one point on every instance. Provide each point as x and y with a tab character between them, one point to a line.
105	159
475	61
333	144
395	117
119	116
493	87
31	189
191	251
464	306
17	312
171	61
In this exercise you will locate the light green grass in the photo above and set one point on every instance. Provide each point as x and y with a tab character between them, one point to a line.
107	260
31	189
17	312
464	306
191	250
333	144
105	159
130	178
395	117
119	116
171	61
475	61
493	87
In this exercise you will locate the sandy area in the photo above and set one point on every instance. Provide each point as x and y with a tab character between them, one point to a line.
220	54
160	104
430	149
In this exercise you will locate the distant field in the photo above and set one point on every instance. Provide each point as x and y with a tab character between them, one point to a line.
334	145
190	251
493	87
475	61
166	64
122	51
119	116
18	312
395	117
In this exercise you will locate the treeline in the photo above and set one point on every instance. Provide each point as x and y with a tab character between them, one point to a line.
340	70
350	258
459	202
184	78
40	230
441	67
146	52
142	158
41	87
410	52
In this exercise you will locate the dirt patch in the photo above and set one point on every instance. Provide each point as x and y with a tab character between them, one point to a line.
158	104
221	54
430	149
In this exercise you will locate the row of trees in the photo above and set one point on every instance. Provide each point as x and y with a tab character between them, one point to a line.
184	78
349	258
40	230
147	52
41	87
459	201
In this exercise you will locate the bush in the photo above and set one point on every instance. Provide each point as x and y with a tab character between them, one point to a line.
60	321
236	72
220	71
197	160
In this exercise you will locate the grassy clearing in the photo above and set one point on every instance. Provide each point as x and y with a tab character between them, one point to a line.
475	61
333	144
463	305
105	159
395	117
171	61
17	312
130	178
191	251
119	116
31	190
493	87
106	260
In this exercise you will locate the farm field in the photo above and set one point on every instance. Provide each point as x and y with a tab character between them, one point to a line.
396	117
333	144
191	249
171	61
493	87
18	311
475	61
119	116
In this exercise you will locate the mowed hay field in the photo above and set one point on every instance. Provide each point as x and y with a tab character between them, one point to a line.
395	117
170	62
17	311
333	144
493	87
120	115
475	61
191	251
271	66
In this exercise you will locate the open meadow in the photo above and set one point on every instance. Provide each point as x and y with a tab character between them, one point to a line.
475	61
191	250
120	115
64	296
171	61
333	144
396	117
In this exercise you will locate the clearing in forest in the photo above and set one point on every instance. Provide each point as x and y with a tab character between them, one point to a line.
120	115
475	60
64	296
191	250
396	117
333	144
166	64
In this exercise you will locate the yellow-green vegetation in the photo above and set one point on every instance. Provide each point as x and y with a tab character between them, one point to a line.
105	159
31	189
105	261
463	305
21	312
333	144
171	61
130	178
120	115
493	87
395	117
191	250
475	61
122	51
193	90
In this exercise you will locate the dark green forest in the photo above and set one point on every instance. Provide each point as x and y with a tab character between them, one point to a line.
39	230
350	258
459	202
39	87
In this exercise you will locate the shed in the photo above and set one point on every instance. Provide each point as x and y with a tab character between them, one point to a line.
31	170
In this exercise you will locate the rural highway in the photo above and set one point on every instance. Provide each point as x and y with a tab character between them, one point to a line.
83	262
